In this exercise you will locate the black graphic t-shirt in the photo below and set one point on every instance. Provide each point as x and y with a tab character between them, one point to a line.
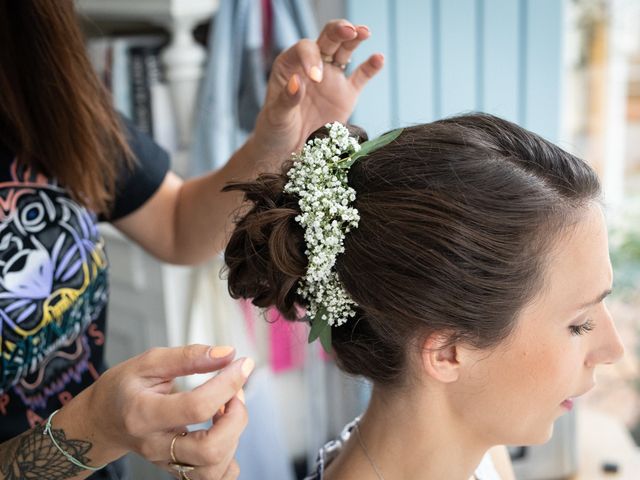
54	284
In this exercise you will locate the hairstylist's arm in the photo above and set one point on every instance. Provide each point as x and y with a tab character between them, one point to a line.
188	222
130	408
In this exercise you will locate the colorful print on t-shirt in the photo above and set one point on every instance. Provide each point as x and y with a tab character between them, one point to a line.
52	287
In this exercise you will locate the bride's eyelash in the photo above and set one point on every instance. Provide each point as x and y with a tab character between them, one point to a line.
582	328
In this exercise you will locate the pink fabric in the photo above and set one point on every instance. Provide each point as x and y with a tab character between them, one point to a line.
287	341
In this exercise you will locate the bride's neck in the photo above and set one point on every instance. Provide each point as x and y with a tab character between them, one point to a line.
409	436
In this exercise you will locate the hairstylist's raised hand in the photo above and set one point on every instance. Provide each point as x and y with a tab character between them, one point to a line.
131	407
308	88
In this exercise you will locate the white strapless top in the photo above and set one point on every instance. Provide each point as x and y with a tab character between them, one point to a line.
485	471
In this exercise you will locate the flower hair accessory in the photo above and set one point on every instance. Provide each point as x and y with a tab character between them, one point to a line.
319	178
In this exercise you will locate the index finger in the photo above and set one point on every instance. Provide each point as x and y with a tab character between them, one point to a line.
333	34
168	363
167	411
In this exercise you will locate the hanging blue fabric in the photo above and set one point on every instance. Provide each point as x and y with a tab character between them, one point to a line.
235	78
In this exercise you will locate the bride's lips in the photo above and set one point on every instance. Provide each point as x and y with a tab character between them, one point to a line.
568	404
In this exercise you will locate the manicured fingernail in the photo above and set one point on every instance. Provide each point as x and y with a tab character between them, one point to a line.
364	27
220	352
292	85
315	74
350	29
247	366
240	395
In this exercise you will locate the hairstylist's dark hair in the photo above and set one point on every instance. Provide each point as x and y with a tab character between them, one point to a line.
457	218
54	112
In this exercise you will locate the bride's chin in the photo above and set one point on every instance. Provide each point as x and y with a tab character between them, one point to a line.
538	438
530	437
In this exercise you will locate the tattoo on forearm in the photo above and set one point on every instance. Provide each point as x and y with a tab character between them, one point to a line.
33	455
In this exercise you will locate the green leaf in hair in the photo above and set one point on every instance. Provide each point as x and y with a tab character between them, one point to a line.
322	330
369	146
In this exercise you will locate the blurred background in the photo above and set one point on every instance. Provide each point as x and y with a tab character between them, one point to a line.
192	74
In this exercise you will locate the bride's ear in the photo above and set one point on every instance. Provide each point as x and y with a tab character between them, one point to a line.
440	358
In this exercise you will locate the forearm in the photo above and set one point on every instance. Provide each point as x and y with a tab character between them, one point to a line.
33	455
204	214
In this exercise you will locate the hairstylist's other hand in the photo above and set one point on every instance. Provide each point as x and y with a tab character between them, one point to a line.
305	92
133	409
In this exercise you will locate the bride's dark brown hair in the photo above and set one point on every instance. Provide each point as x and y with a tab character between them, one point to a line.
457	218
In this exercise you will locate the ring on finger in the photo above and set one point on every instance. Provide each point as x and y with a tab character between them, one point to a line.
341	66
172	451
184	476
326	58
181	468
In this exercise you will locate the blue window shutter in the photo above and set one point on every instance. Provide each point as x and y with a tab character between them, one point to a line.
458	57
451	56
500	58
415	50
375	107
542	77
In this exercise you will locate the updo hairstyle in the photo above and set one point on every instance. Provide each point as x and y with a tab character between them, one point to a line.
457	219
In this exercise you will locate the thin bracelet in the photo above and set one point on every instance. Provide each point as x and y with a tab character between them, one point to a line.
75	461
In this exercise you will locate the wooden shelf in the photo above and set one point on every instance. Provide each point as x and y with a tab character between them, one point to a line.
183	59
156	11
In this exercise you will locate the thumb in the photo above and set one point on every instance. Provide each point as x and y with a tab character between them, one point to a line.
168	363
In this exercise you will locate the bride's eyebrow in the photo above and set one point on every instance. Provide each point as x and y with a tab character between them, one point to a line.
601	297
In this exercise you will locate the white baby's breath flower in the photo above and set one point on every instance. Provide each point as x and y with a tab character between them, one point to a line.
325	198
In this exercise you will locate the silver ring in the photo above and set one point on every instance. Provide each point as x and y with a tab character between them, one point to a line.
341	66
182	470
326	58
